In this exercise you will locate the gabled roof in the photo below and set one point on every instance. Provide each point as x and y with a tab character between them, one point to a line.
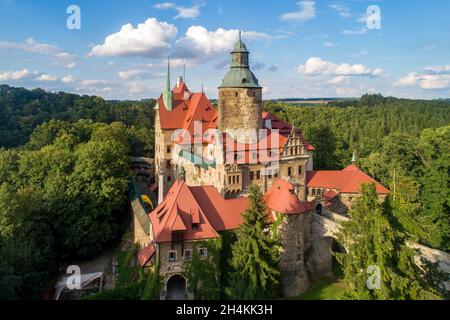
211	213
281	198
348	180
174	214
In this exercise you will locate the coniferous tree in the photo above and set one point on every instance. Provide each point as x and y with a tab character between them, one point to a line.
378	264
255	255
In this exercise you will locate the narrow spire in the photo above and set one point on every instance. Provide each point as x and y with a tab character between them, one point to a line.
240	35
184	72
168	75
354	158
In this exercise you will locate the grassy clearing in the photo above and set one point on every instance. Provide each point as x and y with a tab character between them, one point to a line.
326	289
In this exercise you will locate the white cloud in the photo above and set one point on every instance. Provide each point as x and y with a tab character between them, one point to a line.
164	5
89	83
70	65
329	44
342	10
130	74
61	56
339	80
315	66
307	12
426	81
135	87
183	12
351	32
14	75
150	39
46	77
68	79
254	35
200	45
438	69
186	13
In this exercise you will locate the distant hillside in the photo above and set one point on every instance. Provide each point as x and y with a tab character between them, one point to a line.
22	110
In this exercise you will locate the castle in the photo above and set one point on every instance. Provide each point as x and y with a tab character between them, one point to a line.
205	158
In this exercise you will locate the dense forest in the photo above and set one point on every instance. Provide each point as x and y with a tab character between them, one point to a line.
402	143
64	176
22	110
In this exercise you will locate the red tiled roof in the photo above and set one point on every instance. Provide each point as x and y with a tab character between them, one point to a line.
281	198
205	207
330	194
190	107
175	214
145	254
348	180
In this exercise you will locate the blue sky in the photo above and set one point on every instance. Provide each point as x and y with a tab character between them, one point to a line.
298	48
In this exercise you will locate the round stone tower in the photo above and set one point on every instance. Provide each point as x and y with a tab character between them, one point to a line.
240	95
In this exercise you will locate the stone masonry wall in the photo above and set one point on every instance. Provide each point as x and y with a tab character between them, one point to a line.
295	233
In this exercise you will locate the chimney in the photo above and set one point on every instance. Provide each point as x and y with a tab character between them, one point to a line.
354	158
160	188
179	81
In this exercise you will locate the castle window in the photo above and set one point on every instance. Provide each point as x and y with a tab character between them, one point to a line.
258	175
289	171
203	252
167	164
237	179
236	94
251	175
299	257
299	170
195	226
169	178
229	179
234	179
188	255
172	256
313	191
168	149
276	174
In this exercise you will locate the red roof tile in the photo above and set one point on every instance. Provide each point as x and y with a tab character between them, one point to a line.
145	254
281	198
348	180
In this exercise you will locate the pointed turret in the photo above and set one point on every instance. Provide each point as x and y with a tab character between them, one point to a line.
168	94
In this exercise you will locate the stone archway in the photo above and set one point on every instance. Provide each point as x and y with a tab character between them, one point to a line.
176	288
319	209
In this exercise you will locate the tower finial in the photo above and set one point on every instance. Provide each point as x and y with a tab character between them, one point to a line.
240	35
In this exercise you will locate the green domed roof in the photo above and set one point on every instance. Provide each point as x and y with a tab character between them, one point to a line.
240	75
240	78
